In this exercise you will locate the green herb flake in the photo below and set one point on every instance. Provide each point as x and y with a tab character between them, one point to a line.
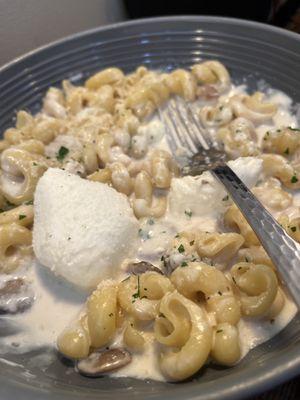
294	179
161	315
150	221
226	198
293	228
246	259
177	236
188	213
234	280
294	129
137	295
34	163
21	216
220	293
181	248
287	151
219	330
192	243
30	202
111	314
184	264
62	152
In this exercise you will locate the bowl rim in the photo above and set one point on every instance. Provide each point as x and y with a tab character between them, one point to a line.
287	363
138	21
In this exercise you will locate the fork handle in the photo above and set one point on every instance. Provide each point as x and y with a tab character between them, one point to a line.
281	248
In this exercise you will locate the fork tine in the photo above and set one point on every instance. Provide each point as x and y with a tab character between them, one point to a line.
180	121
174	128
200	130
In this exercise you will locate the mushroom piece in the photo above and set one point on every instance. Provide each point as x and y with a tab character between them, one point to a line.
102	362
142	267
15	296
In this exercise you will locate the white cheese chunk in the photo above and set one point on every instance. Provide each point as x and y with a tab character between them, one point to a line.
203	195
82	230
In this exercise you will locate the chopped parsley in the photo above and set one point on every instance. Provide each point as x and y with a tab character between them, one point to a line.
111	314
266	135
188	213
143	234
34	163
246	259
62	152
192	243
177	236
220	293
287	151
137	295
181	248
225	198
28	202
293	228
234	280
69	238
219	330
294	179
22	216
294	129
184	264
150	221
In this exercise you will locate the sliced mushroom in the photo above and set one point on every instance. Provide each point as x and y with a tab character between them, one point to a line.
102	362
142	267
15	296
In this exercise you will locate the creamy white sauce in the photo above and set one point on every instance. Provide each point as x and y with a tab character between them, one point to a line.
57	303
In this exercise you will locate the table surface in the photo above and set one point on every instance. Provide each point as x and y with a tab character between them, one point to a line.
287	391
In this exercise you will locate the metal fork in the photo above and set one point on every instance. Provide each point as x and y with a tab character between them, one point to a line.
185	130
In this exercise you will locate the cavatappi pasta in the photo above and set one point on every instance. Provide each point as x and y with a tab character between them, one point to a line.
208	280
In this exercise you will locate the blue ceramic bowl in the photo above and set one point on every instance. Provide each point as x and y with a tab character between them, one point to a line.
252	52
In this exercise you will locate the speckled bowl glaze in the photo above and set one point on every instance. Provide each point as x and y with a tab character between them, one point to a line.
253	53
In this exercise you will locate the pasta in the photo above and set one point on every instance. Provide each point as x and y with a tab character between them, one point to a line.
234	219
226	348
193	354
254	108
258	287
140	303
281	141
195	278
291	226
279	167
218	247
26	169
200	277
239	138
74	341
15	244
